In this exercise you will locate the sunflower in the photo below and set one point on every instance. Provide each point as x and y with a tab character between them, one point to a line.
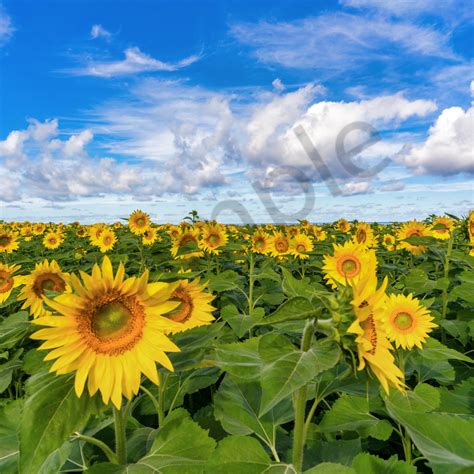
150	236
406	321
27	233
470	225
94	233
194	308
279	245
350	263
81	232
8	241
173	231
300	245
139	222
52	240
441	228
373	347
364	235
342	225
109	331
410	229
213	236
389	242
8	281
261	242
39	228
185	237
107	240
46	276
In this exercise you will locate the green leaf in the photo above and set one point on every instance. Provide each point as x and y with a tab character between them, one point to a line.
423	399
340	451
181	445
14	328
287	368
416	281
434	350
294	287
51	413
459	400
225	281
241	359
243	454
366	463
330	468
296	308
6	371
352	413
446	440
9	442
236	405
241	323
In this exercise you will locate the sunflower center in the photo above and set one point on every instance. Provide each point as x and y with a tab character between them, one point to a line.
213	239
415	232
259	244
48	282
107	240
4	240
281	245
110	320
403	320
350	267
184	311
186	239
361	236
301	248
112	324
141	222
6	283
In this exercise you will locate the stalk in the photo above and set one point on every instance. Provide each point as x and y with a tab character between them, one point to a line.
120	438
100	444
251	282
300	406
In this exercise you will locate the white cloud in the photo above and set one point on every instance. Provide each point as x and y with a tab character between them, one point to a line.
339	41
6	27
405	7
135	62
449	147
278	85
98	31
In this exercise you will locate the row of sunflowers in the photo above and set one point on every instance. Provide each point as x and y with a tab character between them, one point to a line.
203	347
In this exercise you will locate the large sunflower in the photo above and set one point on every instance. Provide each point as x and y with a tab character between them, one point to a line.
350	263
470	226
213	236
373	346
442	228
47	276
185	237
342	225
389	242
109	331
364	235
261	242
411	229
52	240
194	306
8	281
139	222
107	240
150	236
279	245
8	241
300	245
406	321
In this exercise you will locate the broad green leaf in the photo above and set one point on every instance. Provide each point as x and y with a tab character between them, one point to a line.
416	281
295	308
352	413
6	371
423	399
366	463
241	359
181	445
243	454
330	468
140	442
236	405
241	323
14	328
51	413
9	441
224	281
288	368
459	400
340	451
294	287
434	350
446	440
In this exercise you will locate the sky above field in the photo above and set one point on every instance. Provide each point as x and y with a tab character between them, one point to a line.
266	111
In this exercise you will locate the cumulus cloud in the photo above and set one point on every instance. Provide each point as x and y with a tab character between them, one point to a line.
98	31
449	147
6	27
134	62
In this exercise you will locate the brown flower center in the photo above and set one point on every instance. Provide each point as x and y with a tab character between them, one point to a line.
112	324
48	282
301	248
361	236
281	245
403	320
349	266
184	311
4	240
6	281
370	333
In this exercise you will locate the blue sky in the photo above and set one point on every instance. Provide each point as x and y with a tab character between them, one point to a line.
171	106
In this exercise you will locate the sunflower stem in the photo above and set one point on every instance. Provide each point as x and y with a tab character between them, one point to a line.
161	398
153	399
300	405
120	438
100	444
251	282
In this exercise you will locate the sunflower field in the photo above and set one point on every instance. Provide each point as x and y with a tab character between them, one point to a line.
133	347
